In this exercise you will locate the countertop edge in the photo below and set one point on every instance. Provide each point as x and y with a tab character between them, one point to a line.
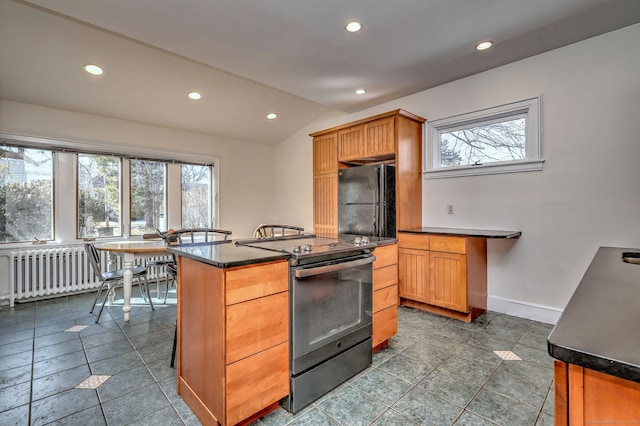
229	264
463	232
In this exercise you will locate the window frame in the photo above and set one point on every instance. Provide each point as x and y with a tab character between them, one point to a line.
533	161
65	222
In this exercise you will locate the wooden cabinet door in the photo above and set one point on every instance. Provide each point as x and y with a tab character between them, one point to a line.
325	204
413	274
351	143
325	154
379	137
448	281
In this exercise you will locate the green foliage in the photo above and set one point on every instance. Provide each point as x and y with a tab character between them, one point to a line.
26	211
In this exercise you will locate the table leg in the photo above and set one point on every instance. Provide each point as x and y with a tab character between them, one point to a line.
128	283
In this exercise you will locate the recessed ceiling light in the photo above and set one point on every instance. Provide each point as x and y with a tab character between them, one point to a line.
272	116
353	26
360	92
194	95
484	45
93	69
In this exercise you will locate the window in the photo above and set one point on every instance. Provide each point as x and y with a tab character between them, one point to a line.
503	139
62	192
148	196
99	196
26	194
196	196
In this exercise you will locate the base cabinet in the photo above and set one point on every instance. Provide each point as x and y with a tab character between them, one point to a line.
385	295
233	339
446	275
587	397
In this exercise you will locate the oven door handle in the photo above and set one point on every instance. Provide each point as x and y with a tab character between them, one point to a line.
309	272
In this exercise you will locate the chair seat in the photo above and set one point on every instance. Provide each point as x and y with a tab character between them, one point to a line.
119	274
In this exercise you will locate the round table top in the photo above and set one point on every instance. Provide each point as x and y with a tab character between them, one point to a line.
134	246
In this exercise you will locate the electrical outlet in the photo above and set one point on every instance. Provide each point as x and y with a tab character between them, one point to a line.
449	208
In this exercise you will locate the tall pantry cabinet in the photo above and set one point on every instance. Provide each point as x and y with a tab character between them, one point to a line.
394	137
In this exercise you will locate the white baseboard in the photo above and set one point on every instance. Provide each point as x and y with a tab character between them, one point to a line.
533	311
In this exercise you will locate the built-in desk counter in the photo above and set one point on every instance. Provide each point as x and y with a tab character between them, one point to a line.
444	270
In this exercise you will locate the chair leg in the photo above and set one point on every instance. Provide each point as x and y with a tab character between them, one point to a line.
104	302
96	299
146	289
175	344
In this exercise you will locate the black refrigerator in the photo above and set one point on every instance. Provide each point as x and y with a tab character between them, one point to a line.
367	200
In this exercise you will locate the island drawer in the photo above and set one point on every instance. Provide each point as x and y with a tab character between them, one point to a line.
385	256
246	283
384	277
384	298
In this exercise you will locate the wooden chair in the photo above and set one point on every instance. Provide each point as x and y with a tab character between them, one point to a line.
113	279
270	231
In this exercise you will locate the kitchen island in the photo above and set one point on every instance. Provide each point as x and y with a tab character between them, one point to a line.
596	343
233	331
444	270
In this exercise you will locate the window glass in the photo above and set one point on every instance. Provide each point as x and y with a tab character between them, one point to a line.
26	194
196	196
501	139
99	196
148	196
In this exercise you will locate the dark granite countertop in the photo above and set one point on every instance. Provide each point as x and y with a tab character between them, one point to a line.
599	328
461	232
225	255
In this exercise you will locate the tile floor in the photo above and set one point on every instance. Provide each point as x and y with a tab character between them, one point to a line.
435	372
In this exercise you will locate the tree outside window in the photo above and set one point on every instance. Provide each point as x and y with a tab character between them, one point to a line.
196	190
148	196
26	194
99	196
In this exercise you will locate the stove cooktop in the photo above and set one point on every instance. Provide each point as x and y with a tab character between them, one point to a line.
310	246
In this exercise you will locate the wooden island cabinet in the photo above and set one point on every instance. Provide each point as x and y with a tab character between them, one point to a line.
233	339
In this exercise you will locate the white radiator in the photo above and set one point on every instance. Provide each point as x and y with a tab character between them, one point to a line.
49	272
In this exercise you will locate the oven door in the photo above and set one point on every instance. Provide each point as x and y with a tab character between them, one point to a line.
330	309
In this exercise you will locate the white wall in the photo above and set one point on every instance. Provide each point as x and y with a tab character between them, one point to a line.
587	195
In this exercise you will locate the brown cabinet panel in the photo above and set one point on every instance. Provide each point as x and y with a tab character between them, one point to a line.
325	154
385	256
325	204
248	283
413	274
415	241
385	325
448	281
379	137
448	244
256	325
351	143
384	277
251	385
385	297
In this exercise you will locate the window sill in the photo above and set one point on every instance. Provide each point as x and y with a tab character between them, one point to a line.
487	169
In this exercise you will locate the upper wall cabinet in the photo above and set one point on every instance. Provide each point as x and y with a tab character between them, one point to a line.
394	137
368	141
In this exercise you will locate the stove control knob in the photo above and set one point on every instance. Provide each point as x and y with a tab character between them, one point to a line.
365	240
357	241
307	248
296	249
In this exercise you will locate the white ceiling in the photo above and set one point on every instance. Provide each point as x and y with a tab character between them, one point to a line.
251	57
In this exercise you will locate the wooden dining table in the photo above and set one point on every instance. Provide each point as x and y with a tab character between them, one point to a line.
130	251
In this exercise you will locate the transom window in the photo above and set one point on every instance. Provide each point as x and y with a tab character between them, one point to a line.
503	139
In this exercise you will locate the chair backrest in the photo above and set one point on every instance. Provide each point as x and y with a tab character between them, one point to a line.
196	235
270	231
94	259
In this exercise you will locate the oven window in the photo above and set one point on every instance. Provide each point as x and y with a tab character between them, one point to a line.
329	306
